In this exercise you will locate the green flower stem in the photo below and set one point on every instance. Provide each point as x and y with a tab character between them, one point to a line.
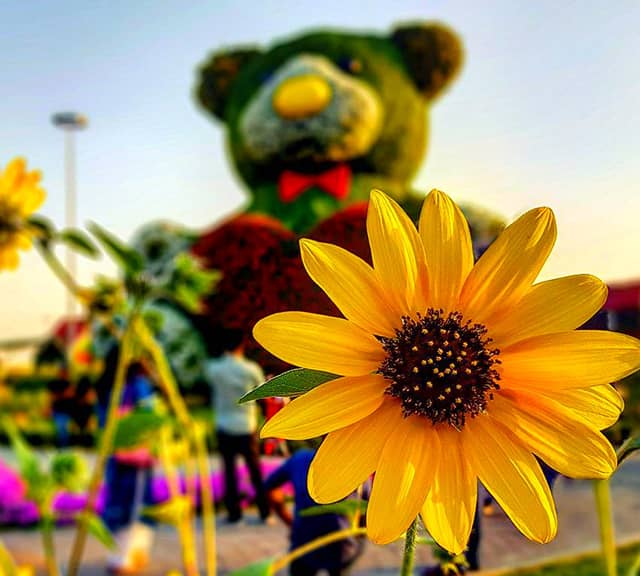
314	545
409	553
57	268
7	565
208	509
634	570
358	513
106	445
602	492
183	523
46	531
170	386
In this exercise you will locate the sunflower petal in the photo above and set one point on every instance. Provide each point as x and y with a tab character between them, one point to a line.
9	258
397	254
513	476
347	457
576	359
599	405
31	200
402	480
505	272
319	342
450	508
556	434
448	250
553	306
351	284
330	406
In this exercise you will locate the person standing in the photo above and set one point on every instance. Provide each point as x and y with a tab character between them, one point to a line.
231	376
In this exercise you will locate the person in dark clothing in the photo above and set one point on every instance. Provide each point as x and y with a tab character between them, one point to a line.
336	558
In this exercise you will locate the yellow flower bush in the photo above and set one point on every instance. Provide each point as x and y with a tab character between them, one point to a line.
20	196
450	372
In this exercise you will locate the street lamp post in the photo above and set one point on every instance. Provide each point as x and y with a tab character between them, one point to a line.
70	123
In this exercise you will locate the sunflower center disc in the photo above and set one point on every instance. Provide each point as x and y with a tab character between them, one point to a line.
441	367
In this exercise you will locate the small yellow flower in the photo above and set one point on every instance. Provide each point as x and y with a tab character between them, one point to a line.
20	196
450	373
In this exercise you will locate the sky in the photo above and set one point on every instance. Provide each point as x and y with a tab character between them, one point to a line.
545	112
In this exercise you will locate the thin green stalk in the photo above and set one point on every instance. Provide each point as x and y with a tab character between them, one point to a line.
208	500
602	492
409	553
46	531
7	565
177	404
106	445
314	545
634	570
358	513
58	269
183	524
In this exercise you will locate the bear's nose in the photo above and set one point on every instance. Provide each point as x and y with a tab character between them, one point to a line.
301	96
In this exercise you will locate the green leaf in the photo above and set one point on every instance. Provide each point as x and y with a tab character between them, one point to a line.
80	241
344	507
98	529
7	565
38	483
628	448
190	282
138	428
42	227
261	568
291	383
170	512
129	259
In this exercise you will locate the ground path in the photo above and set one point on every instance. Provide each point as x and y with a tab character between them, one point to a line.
501	544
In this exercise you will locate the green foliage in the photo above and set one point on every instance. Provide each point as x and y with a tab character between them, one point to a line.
261	568
629	423
66	470
138	428
128	259
402	142
432	53
291	383
69	471
402	72
173	511
628	448
7	565
44	230
99	531
190	282
79	241
345	507
583	565
39	484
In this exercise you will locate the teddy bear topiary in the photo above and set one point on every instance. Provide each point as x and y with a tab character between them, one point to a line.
316	121
313	123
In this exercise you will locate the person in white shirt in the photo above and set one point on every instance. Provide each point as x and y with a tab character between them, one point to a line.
231	376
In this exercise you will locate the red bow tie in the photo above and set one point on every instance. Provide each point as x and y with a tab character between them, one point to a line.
335	182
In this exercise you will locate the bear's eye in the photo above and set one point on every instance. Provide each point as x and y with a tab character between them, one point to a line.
350	65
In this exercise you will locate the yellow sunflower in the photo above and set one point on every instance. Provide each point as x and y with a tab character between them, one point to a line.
450	373
20	196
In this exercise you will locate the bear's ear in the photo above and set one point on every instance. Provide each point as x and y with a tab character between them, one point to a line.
216	78
432	53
